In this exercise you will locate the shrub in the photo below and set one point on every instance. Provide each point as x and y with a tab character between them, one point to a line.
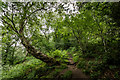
20	70
117	75
76	58
59	55
52	74
63	66
95	74
81	64
71	49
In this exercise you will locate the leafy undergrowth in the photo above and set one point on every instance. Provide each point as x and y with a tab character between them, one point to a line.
28	69
55	72
66	75
59	55
112	71
34	68
97	68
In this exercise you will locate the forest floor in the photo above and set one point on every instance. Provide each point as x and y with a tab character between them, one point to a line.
76	73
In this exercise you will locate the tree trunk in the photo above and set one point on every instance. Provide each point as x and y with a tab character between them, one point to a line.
31	50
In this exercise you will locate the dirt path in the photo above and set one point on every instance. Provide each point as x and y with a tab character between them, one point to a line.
76	73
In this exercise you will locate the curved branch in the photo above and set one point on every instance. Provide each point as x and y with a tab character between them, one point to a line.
34	12
12	22
10	26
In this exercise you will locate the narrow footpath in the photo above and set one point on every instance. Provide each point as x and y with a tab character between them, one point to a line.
76	73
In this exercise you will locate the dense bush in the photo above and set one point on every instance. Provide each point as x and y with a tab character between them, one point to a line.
59	55
81	64
22	69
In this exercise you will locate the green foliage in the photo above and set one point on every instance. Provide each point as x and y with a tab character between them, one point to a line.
55	72
59	55
81	64
117	75
76	58
95	74
63	66
31	75
20	70
92	34
67	75
86	71
72	49
112	66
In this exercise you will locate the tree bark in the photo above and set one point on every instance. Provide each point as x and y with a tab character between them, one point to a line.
31	50
20	33
37	54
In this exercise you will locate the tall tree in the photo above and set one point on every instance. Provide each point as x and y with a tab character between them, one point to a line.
17	16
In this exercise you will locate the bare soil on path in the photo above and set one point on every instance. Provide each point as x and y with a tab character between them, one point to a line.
76	73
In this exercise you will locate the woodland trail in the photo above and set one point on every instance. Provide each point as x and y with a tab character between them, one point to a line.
76	73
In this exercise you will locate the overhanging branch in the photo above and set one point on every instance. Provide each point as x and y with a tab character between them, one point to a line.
34	12
10	25
14	28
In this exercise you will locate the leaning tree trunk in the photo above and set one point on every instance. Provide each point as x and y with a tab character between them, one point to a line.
12	24
37	54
